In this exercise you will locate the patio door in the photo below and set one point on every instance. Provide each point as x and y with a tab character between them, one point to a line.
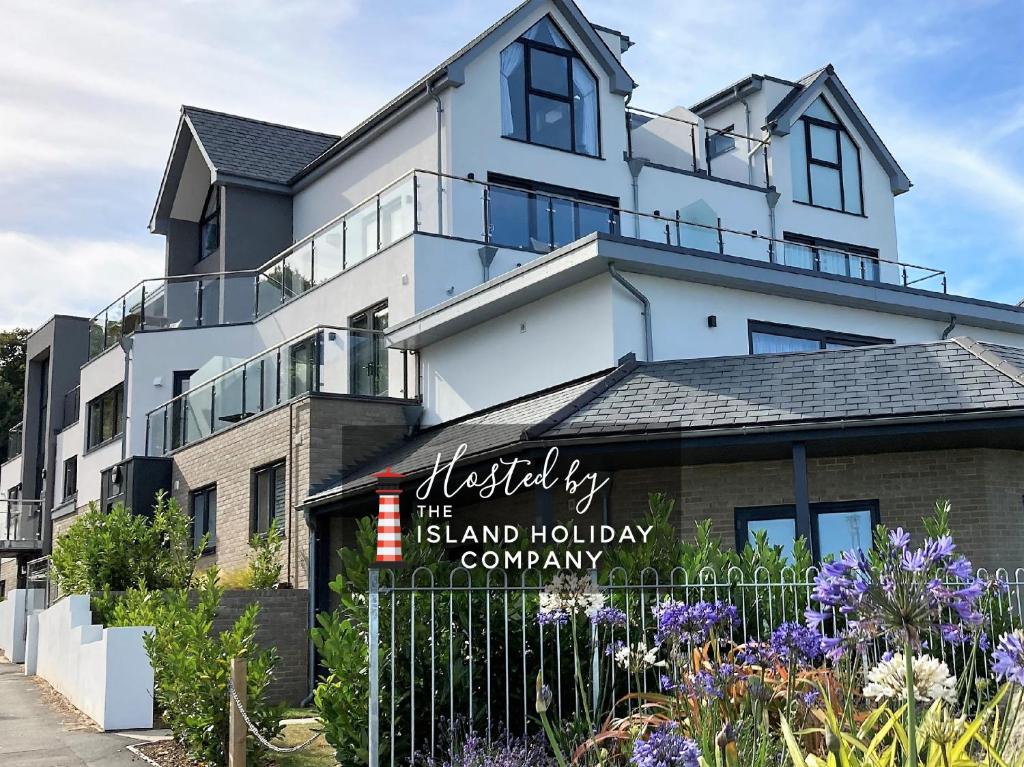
368	353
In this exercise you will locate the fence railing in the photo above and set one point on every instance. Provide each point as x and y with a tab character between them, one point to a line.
468	649
41	585
322	360
15	441
675	141
20	522
70	407
184	301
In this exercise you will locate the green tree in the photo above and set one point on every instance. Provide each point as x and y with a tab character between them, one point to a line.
12	381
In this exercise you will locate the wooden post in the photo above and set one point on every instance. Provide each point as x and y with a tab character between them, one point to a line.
236	725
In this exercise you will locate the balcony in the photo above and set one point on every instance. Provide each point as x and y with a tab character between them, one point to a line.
323	360
20	526
425	202
14	442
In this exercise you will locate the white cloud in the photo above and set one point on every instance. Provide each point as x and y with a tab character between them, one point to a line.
43	277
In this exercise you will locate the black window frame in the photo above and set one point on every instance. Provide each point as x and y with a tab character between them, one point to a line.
206	218
838	128
363	321
721	136
539	189
70	478
806	529
210	525
278	468
823	337
570	54
818	244
116	401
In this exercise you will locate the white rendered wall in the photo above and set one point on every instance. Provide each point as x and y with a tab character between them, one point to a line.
12	626
10	475
104	672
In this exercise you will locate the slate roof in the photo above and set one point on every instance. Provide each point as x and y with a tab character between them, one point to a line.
772	390
255	149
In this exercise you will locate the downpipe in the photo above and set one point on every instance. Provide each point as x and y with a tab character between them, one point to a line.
648	332
439	109
950	327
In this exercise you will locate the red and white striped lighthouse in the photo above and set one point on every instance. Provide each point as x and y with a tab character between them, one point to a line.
389	518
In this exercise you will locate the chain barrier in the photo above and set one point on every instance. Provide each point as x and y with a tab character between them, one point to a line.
256	732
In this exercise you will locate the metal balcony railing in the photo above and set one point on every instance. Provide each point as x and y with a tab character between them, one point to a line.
20	524
14	441
70	408
323	360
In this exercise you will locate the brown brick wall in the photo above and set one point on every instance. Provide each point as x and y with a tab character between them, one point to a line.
9	574
316	436
985	487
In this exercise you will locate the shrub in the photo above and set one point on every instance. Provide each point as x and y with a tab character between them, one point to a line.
265	559
191	667
114	551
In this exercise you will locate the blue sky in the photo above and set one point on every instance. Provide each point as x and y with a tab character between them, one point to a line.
91	92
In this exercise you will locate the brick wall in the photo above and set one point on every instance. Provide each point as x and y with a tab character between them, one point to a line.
9	574
316	436
281	624
985	487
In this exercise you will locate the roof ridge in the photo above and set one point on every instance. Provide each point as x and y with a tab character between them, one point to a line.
990	358
256	120
626	366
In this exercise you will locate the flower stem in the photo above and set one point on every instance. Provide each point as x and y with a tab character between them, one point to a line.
551	739
911	708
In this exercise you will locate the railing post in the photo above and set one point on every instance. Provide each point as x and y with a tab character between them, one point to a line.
378	223
693	146
142	309
595	663
199	303
236	726
721	237
373	648
415	203
707	151
904	276
487	214
256	296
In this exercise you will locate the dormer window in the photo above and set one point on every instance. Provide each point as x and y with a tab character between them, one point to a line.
548	94
209	225
826	161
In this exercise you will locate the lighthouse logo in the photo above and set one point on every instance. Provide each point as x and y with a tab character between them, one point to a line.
389	518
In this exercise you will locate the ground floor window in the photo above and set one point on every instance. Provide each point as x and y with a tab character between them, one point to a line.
268	495
203	510
774	338
832	528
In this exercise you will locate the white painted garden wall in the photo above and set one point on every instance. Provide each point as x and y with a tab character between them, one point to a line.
104	672
12	626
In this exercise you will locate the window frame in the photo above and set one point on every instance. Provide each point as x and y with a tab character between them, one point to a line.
72	465
211	520
278	467
823	337
205	218
537	189
720	133
816	244
380	358
838	128
117	393
744	515
570	54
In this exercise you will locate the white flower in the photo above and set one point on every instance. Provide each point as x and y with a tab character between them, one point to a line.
637	658
932	680
571	593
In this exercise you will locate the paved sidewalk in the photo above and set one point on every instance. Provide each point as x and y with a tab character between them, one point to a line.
33	735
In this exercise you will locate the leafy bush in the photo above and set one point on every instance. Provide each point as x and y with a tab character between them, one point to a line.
341	698
191	666
265	559
114	551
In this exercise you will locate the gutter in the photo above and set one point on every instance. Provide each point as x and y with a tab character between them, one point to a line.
646	311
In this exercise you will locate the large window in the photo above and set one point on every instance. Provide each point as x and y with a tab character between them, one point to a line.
70	477
830	256
773	338
540	217
268	495
368	352
548	94
826	161
833	527
209	224
203	510
106	417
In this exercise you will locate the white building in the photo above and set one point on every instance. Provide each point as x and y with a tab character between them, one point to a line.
510	222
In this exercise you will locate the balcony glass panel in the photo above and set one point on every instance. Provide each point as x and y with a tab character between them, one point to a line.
361	233
298	272
798	255
864	267
396	212
115	321
156	432
182	303
563	221
212	301
511	213
228	408
156	305
832	262
328	254
269	289
254	386
197	414
593	218
271	386
96	327
133	310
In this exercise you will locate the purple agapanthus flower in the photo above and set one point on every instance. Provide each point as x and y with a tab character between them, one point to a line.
1008	658
553	618
795	643
608	616
665	747
682	623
